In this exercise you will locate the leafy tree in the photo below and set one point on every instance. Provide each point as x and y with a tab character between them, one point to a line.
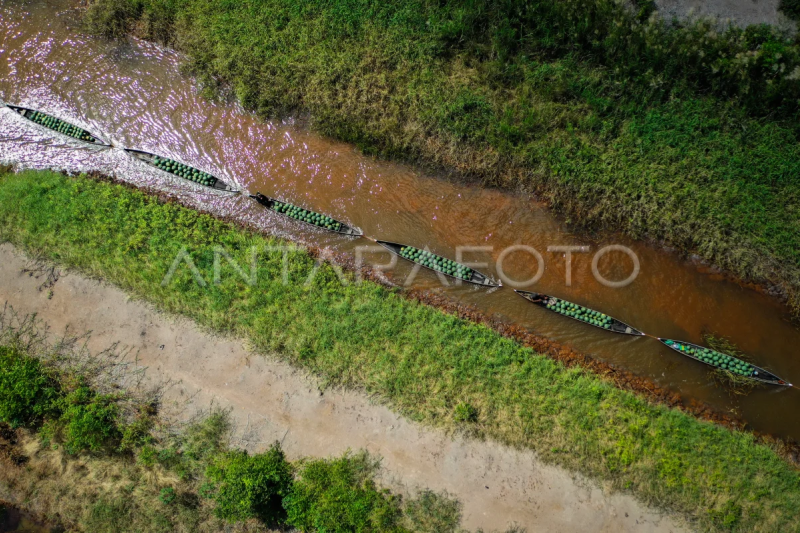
27	390
89	421
251	486
339	496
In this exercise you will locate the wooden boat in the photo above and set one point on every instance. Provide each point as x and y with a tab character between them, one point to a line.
579	313
182	171
439	264
318	220
56	124
723	361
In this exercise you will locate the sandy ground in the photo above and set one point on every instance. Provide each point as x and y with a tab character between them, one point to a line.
739	12
271	401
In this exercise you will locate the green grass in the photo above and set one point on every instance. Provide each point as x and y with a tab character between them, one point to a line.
684	135
423	362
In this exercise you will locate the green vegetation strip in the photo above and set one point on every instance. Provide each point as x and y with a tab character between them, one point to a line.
432	367
685	135
60	126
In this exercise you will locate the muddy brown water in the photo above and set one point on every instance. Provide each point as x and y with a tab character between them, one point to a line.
134	95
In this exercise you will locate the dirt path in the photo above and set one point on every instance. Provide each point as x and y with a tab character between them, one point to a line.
271	400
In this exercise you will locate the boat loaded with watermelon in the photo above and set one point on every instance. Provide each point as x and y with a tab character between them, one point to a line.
724	361
56	124
183	171
579	313
306	215
438	263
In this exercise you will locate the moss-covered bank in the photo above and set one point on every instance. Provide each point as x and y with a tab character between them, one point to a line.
426	364
686	135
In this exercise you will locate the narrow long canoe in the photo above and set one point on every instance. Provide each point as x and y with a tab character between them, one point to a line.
318	220
439	264
579	313
182	171
56	124
724	361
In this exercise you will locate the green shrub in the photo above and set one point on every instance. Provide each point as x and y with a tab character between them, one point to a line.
27	390
339	496
790	8
207	491
169	457
251	486
166	495
147	456
137	434
88	422
465	412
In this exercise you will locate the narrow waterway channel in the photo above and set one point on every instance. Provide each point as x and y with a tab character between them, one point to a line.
134	95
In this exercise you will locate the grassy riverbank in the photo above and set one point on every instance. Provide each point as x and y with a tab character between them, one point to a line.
685	135
428	365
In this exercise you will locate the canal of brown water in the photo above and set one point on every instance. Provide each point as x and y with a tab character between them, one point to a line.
134	95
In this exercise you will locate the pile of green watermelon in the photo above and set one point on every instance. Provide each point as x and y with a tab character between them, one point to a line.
433	261
184	171
717	359
60	126
579	312
298	213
